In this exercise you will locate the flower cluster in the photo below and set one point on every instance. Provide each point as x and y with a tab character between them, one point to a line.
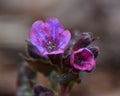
50	38
50	48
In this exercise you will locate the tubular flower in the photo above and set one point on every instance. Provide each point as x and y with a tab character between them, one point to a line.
49	37
82	59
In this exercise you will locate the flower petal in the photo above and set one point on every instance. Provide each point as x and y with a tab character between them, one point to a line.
55	52
64	39
38	36
55	27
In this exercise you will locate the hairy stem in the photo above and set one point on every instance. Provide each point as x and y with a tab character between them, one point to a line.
25	74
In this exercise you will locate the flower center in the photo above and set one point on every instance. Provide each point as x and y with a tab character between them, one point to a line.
77	60
51	46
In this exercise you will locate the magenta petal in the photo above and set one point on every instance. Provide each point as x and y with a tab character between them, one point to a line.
54	52
64	39
38	35
86	59
37	30
54	26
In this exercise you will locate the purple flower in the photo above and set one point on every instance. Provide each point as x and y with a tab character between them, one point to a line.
49	37
82	59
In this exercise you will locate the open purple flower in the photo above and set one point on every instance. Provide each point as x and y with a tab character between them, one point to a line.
82	59
49	37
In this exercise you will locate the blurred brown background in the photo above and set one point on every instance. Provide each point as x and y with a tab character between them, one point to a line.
99	16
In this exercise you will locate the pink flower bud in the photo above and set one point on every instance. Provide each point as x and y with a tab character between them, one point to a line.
82	59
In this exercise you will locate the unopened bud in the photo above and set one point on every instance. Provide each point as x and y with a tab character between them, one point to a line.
95	50
42	91
84	40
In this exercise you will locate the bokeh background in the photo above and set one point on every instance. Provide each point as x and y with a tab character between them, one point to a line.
102	17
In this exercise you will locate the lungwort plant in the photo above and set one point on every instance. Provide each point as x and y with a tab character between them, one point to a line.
51	52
